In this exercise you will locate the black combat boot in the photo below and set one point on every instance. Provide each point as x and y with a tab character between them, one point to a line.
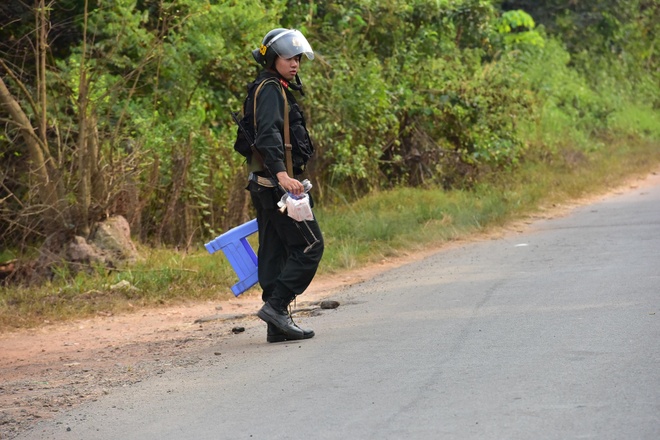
275	335
282	321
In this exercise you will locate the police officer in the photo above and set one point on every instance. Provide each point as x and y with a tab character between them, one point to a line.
289	251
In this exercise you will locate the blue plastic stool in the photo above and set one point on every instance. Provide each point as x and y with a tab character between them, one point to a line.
239	253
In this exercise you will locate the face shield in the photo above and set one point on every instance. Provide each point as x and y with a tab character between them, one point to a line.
291	43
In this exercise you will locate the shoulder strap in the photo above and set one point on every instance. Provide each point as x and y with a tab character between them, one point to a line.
287	135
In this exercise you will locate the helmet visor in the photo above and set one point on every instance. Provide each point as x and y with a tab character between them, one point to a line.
291	43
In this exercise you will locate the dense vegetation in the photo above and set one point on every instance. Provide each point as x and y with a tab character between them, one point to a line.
123	106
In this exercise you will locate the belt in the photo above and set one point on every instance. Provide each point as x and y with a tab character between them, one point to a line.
263	181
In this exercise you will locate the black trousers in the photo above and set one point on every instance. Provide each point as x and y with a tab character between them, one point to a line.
285	269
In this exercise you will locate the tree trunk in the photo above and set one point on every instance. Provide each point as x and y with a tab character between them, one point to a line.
42	22
84	191
178	183
46	187
99	189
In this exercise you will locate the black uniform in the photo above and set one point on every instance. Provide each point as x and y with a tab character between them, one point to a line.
285	270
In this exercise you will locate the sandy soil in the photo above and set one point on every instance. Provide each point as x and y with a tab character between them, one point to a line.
58	366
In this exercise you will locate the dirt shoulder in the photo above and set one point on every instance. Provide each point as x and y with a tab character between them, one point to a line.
55	367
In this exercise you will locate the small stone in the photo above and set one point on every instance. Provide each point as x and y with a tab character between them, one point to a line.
329	304
237	330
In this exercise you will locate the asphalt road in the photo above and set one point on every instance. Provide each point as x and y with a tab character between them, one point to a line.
549	334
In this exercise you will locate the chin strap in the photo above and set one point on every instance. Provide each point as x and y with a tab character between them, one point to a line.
298	86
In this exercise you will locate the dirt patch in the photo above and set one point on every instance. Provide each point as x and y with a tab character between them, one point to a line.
58	366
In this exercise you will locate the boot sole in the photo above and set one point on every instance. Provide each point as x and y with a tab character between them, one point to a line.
283	338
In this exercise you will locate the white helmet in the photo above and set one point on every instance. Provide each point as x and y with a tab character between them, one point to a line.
286	43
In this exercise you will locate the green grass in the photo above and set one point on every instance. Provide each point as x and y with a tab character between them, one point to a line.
6	255
408	219
380	225
635	120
